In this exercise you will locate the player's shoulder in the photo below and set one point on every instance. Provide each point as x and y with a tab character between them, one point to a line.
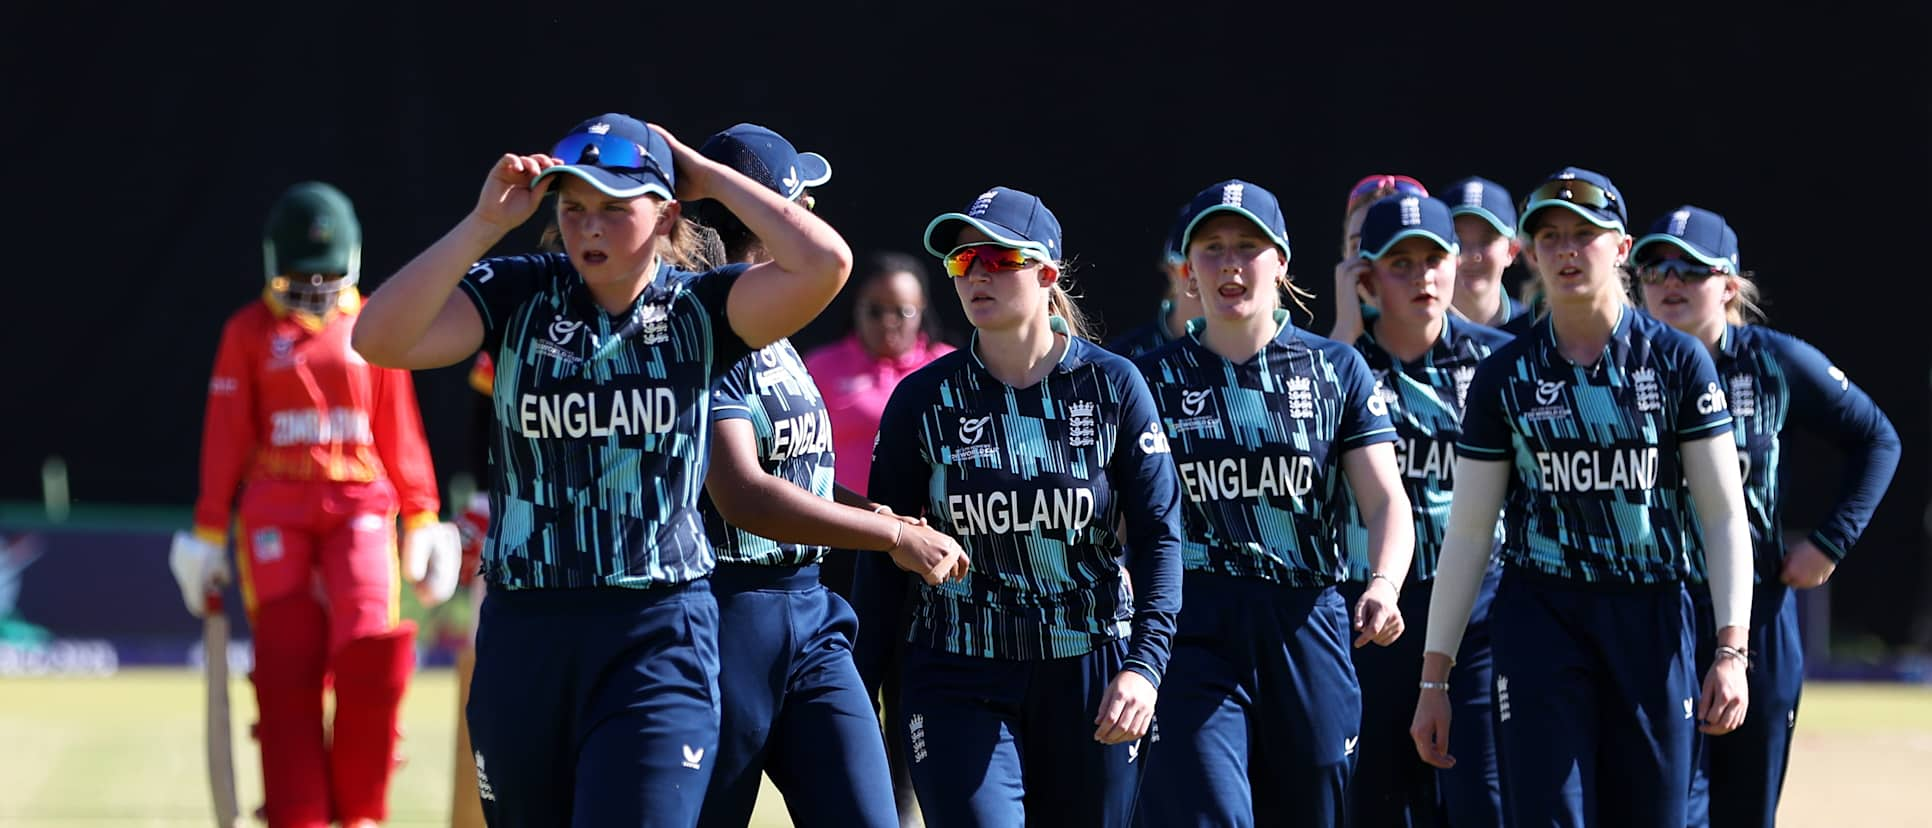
1333	351
1662	338
935	372
1777	342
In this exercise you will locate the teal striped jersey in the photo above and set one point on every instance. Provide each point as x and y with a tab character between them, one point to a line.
602	423
1259	445
1597	493
1034	483
1425	403
774	393
1772	380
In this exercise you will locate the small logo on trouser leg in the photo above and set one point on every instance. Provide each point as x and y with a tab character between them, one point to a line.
1689	705
1502	697
1348	745
1133	751
916	728
693	756
483	790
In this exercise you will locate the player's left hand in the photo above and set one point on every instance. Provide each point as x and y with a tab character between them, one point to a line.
693	169
1726	698
1126	709
1377	618
432	555
1806	566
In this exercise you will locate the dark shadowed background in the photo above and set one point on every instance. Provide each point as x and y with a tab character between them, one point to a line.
145	147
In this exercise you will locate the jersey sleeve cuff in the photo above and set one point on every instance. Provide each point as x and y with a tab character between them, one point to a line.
1153	676
1832	549
213	537
730	412
418	520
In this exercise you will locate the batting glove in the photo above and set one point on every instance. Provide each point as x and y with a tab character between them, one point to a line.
199	567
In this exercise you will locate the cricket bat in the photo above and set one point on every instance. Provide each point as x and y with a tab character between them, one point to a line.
221	748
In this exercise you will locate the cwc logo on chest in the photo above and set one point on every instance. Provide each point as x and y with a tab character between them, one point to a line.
972	431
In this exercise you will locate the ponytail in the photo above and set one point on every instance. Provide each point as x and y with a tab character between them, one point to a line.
1744	307
1060	303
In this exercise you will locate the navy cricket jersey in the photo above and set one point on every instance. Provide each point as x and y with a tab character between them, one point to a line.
1425	403
1773	379
602	423
1033	483
1145	338
1259	449
1598	494
772	390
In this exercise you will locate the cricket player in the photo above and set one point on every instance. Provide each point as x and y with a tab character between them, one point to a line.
595	698
1259	720
1422	356
1025	688
1689	272
1596	428
312	452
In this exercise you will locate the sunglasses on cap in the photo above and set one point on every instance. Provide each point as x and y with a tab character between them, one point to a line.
610	151
1575	191
1376	186
993	258
1686	270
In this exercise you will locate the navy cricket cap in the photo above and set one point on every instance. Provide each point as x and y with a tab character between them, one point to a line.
1249	201
312	229
617	154
1007	216
1485	199
1700	233
1587	193
766	157
1396	217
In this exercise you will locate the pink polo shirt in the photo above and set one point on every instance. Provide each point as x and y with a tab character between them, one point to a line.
856	387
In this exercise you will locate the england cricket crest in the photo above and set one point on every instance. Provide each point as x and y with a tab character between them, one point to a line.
1744	395
1301	398
1081	425
1462	375
1649	398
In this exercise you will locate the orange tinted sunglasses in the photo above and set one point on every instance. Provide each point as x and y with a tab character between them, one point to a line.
993	258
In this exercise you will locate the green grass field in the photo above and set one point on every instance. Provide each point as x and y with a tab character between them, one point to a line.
127	751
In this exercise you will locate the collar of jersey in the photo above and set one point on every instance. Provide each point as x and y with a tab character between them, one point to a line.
1619	342
1284	328
1443	349
585	304
1727	344
1074	356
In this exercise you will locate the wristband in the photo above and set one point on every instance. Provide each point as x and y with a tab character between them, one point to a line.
1739	653
1392	584
1434	685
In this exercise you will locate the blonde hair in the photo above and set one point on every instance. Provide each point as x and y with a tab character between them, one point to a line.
1060	303
1746	306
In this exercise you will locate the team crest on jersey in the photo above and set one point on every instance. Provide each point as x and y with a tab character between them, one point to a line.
1744	395
1644	382
1301	398
1080	424
654	324
1381	398
1463	375
560	334
1844	382
281	346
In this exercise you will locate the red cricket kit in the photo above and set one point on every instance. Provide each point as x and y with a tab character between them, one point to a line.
322	449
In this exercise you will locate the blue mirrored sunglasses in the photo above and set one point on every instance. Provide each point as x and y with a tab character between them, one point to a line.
1687	270
608	151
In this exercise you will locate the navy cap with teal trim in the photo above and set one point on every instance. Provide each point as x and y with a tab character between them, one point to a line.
1396	217
1484	199
1250	201
619	155
1700	233
766	157
1587	193
1007	216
